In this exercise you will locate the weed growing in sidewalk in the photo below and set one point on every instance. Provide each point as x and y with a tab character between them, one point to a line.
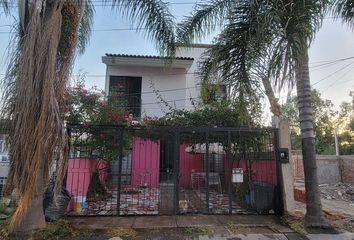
199	230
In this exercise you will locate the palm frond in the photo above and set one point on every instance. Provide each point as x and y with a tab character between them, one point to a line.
86	22
344	9
4	4
302	18
238	48
154	17
204	20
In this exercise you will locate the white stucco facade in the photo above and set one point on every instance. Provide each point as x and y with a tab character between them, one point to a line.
176	83
192	80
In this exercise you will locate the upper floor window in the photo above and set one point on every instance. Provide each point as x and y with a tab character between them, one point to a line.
213	92
127	90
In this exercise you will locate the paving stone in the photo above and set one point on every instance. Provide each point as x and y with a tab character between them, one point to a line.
342	236
295	236
259	237
155	222
186	221
102	222
257	220
281	228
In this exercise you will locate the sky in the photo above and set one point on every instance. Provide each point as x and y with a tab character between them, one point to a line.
334	41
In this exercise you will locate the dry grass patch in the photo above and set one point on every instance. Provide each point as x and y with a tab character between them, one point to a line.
121	232
296	224
4	226
199	230
63	229
241	229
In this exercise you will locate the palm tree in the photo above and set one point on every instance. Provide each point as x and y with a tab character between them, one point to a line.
49	35
344	9
263	41
4	4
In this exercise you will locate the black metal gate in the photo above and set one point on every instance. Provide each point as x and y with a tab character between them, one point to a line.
117	170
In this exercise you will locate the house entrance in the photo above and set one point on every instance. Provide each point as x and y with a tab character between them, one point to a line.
168	171
166	160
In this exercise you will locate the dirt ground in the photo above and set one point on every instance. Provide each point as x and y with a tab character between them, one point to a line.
337	204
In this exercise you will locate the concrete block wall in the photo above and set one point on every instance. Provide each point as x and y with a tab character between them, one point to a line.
347	168
331	169
328	169
297	164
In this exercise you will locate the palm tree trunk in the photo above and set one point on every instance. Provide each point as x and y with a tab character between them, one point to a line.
314	216
34	218
273	101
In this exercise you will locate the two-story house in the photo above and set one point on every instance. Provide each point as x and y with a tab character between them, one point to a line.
151	85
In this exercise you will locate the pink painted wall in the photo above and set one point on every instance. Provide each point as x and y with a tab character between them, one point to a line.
145	163
188	162
79	175
263	170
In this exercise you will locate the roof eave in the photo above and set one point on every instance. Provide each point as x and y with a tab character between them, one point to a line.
146	62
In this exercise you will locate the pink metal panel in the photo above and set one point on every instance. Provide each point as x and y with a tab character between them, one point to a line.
145	163
80	173
262	170
188	162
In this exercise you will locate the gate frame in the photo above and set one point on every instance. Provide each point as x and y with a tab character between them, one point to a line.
176	132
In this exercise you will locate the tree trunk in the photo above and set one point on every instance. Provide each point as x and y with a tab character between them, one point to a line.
314	216
273	101
34	219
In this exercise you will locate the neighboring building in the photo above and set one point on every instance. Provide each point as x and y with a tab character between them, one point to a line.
4	158
136	78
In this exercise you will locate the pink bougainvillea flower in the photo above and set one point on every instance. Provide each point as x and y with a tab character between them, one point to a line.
84	92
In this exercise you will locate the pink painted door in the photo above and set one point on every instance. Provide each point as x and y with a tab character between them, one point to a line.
188	163
145	163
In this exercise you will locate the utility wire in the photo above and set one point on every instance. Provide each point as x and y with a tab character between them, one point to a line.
160	91
332	74
340	82
330	62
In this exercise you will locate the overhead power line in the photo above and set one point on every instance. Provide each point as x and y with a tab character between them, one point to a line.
340	82
332	74
325	64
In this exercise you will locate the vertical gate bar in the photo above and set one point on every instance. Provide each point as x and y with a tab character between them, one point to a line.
207	169
68	132
278	196
229	163
120	160
176	171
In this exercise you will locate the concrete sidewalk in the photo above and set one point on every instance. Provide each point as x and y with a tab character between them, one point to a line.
146	222
258	227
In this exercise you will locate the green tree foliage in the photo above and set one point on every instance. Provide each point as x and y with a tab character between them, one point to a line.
345	123
217	114
326	121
